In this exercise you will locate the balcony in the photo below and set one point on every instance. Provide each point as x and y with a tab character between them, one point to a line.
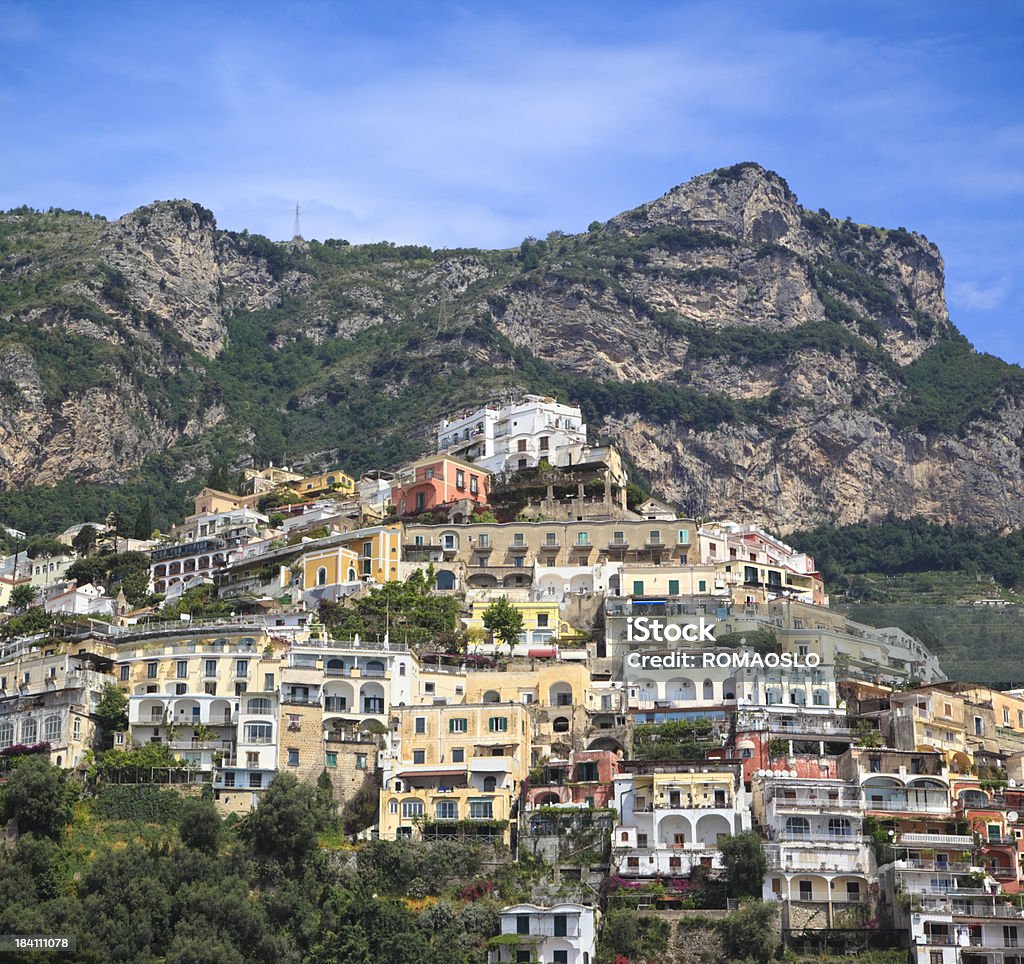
618	544
953	841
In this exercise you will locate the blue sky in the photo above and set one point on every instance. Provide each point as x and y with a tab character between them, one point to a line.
481	123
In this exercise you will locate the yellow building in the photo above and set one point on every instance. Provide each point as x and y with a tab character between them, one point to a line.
932	719
450	763
334	481
555	694
371	552
542	623
668	580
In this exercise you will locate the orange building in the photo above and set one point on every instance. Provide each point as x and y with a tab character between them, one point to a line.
438	480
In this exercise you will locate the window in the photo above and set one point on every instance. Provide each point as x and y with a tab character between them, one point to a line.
460	479
583	538
498	724
210	668
618	537
474	485
242	667
559	957
151	670
182	669
638	587
258	705
29	731
293	758
180	689
6	733
360	761
268	681
544	443
481	809
521	445
586	772
373	704
210	688
77	729
421	724
258	732
522	923
458	755
449	540
412	808
484	541
519	562
457	725
125	670
542	620
255	781
446	810
52	729
979	726
419	756
654	537
421	501
332	760
683	537
428	687
806	890
673	587
1010	935
702	585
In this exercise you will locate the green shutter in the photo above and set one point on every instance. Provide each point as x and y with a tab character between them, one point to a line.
673	587
638	587
702	586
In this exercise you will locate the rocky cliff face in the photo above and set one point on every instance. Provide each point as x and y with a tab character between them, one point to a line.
752	358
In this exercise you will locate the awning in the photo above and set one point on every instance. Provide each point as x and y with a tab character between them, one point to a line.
433	773
545	652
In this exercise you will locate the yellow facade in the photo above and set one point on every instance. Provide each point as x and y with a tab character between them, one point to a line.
373	552
332	481
667	580
546	685
541	622
687	791
454	763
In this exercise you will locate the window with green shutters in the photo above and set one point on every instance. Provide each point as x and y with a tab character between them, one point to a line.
638	587
673	587
702	586
457	725
498	724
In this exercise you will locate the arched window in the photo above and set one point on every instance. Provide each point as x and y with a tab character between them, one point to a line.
709	690
258	705
29	731
6	733
489	784
401	669
839	827
797	827
51	729
321	576
561	724
351	574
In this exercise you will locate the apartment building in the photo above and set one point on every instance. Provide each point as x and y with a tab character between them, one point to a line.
815	846
562	934
440	481
516	435
48	697
672	815
586	778
759	567
332	481
504	554
450	763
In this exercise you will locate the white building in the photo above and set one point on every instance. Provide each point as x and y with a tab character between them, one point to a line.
815	850
87	600
517	435
562	934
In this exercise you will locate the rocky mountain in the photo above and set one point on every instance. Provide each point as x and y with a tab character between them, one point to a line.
751	357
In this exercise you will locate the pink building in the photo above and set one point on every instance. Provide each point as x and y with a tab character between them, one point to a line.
586	779
439	481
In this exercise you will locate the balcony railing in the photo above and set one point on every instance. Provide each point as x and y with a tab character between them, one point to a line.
955	841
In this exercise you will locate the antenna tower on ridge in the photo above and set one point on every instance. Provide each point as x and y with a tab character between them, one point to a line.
297	233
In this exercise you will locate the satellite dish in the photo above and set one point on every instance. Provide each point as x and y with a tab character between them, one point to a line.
1012	816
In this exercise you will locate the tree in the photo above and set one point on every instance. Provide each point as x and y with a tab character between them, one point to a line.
85	541
283	827
38	796
745	864
504	621
749	933
111	712
22	596
200	826
143	527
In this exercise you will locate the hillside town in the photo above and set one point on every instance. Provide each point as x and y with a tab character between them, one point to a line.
500	642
